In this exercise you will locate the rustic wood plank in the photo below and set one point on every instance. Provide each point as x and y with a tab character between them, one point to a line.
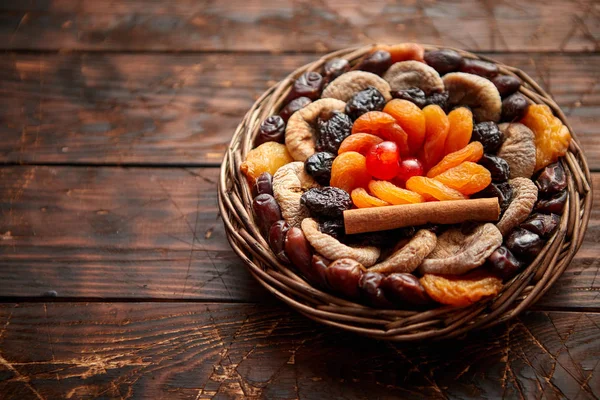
297	26
183	109
89	232
201	351
98	232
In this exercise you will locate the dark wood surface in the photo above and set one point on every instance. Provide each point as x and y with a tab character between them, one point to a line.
116	279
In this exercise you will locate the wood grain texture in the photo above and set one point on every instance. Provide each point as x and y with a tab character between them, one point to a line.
227	351
275	25
155	233
183	109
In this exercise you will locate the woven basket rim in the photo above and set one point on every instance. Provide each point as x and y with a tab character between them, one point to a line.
234	199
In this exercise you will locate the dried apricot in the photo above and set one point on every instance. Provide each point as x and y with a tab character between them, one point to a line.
383	125
359	142
467	178
404	51
349	171
461	290
391	193
461	128
362	199
411	118
267	157
428	187
471	152
552	138
437	127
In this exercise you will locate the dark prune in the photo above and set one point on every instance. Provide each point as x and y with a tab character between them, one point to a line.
404	289
377	62
309	84
489	135
552	179
502	191
333	131
328	202
333	227
263	184
414	95
334	68
378	239
524	244
293	106
370	290
506	84
277	236
319	167
272	129
444	60
479	67
319	266
553	205
543	225
266	212
497	166
440	99
514	107
503	263
343	276
299	252
364	101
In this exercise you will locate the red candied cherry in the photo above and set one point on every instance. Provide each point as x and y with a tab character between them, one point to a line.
382	160
409	167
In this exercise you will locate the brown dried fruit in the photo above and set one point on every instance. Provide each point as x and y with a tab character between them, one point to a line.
289	183
525	194
411	74
461	291
347	85
457	253
343	276
518	149
409	256
476	92
331	248
301	132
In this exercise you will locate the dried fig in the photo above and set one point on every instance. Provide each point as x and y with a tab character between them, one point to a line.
476	92
524	197
409	256
518	149
301	130
346	85
411	74
331	248
289	182
457	253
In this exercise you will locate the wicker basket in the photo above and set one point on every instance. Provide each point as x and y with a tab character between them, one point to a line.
399	325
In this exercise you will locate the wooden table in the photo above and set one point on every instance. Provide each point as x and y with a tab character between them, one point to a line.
117	280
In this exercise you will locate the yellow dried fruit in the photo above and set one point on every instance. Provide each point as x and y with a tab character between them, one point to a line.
461	290
267	157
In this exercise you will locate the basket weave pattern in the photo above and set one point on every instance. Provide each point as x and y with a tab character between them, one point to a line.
235	203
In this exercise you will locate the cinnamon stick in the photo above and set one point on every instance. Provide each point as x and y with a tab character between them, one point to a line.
436	212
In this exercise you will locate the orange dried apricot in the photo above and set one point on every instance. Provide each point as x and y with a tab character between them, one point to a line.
267	157
428	187
461	290
359	142
437	127
461	128
391	193
362	199
404	51
471	152
552	138
383	125
467	178
349	171
411	118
